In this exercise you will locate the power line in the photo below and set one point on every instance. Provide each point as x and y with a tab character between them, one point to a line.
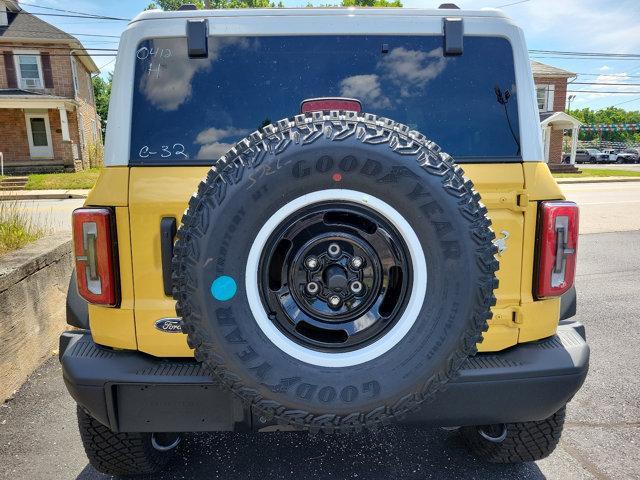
108	63
86	17
591	83
597	54
626	101
625	75
603	91
56	9
114	50
514	3
566	57
75	54
68	33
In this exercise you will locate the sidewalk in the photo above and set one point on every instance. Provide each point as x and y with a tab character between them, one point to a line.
587	179
42	194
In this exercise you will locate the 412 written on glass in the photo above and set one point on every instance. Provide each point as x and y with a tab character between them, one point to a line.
165	151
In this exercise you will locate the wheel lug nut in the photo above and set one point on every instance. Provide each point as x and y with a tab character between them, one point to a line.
357	262
356	287
312	288
334	250
334	300
311	262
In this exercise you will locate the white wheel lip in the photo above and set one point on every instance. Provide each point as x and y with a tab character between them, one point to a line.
389	339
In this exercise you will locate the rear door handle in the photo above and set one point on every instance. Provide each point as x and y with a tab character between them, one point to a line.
167	234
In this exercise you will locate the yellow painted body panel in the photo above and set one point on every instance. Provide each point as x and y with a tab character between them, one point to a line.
500	194
111	189
156	193
510	192
116	326
539	318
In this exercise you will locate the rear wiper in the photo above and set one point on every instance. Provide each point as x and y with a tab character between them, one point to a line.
503	99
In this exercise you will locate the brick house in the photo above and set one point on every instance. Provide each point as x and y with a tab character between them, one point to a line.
48	119
551	91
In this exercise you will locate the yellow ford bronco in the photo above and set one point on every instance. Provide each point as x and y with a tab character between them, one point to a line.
278	240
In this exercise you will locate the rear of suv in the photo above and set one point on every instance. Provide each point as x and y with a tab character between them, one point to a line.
279	241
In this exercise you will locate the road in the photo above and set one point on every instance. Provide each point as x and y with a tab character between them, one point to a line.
53	215
606	207
39	440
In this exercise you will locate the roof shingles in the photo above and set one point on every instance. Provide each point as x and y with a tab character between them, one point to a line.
23	25
543	70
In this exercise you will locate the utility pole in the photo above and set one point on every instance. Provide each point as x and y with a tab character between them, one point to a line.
571	97
207	4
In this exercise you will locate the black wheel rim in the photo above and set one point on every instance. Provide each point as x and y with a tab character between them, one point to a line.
335	276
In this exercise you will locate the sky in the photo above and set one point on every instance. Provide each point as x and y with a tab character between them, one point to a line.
603	26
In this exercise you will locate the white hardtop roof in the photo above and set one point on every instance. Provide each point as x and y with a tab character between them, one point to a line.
306	21
319	12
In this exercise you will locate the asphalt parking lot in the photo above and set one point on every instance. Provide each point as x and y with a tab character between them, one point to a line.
39	439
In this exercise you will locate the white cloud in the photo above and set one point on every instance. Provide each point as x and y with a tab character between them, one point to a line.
411	69
365	88
211	146
167	83
213	134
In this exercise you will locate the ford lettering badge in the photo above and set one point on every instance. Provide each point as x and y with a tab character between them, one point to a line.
169	325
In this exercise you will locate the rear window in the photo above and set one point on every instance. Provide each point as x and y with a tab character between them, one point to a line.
190	111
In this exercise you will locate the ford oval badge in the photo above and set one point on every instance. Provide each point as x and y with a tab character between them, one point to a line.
169	325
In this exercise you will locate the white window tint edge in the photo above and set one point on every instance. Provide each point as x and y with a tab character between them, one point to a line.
118	135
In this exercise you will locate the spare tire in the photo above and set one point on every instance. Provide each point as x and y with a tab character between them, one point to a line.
334	270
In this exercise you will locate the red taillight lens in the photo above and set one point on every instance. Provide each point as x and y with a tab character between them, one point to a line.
557	248
94	248
320	104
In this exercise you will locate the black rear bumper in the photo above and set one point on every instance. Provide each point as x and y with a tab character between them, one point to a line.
131	391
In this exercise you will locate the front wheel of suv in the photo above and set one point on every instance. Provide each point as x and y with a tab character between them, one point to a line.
125	454
515	442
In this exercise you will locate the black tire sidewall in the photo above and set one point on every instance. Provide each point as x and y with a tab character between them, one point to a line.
253	194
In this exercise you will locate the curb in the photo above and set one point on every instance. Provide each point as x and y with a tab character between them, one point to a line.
41	196
597	180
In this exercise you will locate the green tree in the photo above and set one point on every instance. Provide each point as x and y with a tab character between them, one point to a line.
102	92
607	116
371	3
175	4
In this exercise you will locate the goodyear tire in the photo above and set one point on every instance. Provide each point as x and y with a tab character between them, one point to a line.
395	240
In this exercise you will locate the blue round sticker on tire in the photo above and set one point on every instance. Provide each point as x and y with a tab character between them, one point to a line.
223	288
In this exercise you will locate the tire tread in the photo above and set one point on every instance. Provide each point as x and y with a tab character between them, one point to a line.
306	128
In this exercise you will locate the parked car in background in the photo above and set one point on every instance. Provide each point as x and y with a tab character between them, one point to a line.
628	155
613	154
588	155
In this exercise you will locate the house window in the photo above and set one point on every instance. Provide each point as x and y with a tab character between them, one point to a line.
545	95
29	70
74	74
94	131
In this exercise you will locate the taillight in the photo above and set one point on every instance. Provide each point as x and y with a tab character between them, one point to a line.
320	104
94	248
557	248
